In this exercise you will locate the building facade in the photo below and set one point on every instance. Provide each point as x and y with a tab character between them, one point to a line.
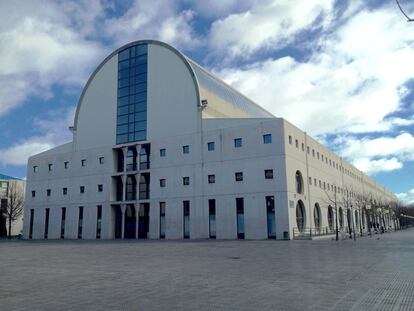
163	149
11	189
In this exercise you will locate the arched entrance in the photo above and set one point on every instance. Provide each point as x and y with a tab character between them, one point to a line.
341	218
317	217
300	216
330	218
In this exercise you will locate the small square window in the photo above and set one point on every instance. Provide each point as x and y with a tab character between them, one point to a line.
267	138
34	169
33	193
163	152
83	162
268	174
186	149
211	146
162	183
238	176
66	164
186	181
82	189
65	191
237	142
211	179
101	160
100	188
50	167
48	192
290	140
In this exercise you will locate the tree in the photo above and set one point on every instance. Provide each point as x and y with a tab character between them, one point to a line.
14	206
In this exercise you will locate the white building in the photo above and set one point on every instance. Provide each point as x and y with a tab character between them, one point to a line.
163	149
11	188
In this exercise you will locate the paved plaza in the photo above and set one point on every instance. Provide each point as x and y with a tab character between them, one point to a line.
370	274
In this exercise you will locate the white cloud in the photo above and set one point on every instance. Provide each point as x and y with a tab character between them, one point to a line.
270	25
156	19
406	197
401	146
42	45
52	132
370	166
352	80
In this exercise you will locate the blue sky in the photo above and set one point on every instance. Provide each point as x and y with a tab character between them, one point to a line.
341	70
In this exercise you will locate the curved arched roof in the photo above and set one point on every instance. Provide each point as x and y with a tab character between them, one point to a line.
202	79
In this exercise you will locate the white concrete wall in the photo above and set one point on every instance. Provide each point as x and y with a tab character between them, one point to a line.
172	100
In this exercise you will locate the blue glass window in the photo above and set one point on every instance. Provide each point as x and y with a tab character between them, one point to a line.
163	152
237	142
186	149
132	94
211	146
267	138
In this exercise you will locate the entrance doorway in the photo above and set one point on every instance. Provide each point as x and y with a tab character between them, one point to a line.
143	221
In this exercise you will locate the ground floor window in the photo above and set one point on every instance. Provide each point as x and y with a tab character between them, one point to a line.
80	222
162	220
317	216
62	223
240	217
46	233
98	221
270	213
31	224
186	219
330	217
212	218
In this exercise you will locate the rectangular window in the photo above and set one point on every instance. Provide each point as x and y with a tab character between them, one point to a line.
82	189
310	180
163	152
48	192
303	147
240	217
315	182
80	222
296	143
186	181
83	162
162	220
308	149
50	167
33	193
212	218
62	223
317	155
320	184
186	149
271	222
34	169
162	183
98	221
66	164
268	174
322	157
186	219
290	140
31	224
210	146
267	138
313	152
101	160
65	191
211	179
237	142
238	176
46	223
100	188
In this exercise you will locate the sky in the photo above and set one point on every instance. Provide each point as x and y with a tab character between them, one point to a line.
342	71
